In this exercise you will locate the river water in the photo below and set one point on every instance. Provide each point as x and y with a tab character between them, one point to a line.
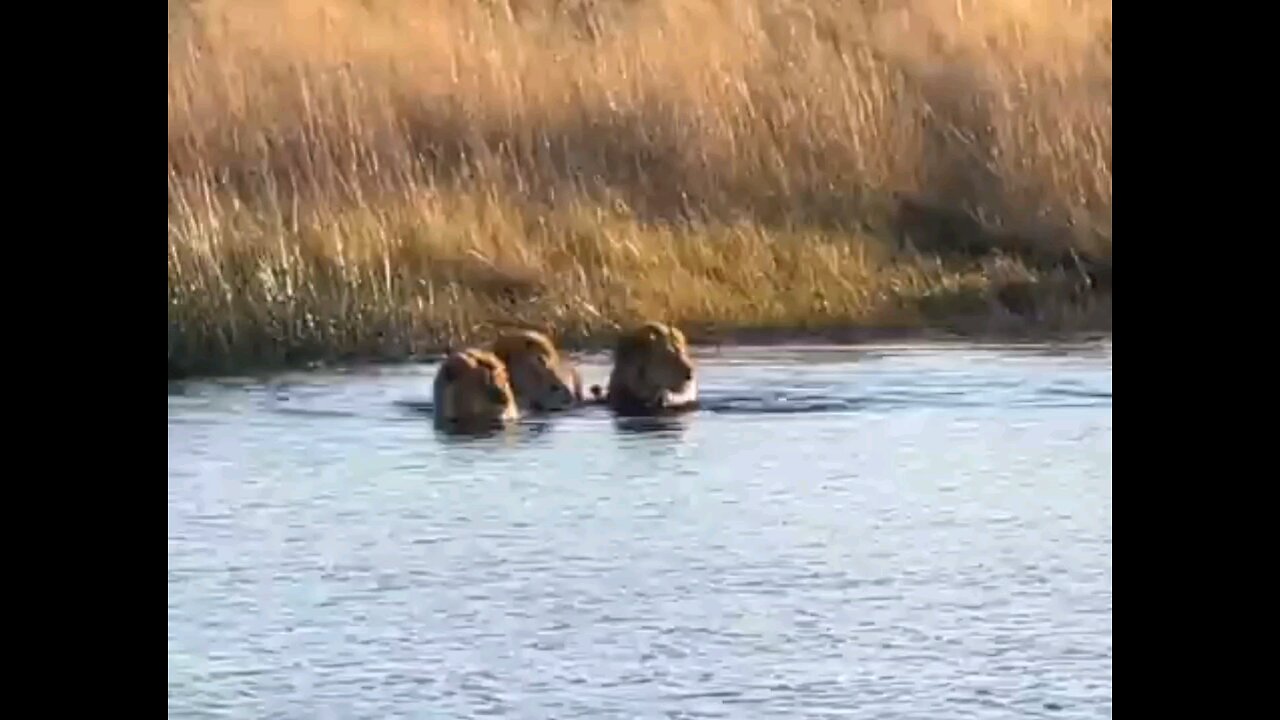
896	532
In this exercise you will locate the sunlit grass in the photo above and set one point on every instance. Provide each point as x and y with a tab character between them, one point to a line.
376	179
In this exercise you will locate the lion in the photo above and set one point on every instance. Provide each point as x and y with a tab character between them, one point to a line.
541	378
652	372
472	387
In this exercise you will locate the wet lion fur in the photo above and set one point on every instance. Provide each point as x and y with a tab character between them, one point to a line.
472	386
541	377
652	370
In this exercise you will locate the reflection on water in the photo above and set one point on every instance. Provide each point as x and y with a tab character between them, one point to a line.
891	532
672	425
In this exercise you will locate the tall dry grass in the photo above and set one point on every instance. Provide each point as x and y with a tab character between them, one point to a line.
378	178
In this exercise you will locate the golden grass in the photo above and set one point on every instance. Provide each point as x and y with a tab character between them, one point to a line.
375	179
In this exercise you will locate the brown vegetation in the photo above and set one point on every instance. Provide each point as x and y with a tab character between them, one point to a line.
376	179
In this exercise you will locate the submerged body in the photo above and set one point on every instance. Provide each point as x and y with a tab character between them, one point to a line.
541	378
652	372
472	388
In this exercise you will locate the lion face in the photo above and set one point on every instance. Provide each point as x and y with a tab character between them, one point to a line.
652	365
540	378
472	385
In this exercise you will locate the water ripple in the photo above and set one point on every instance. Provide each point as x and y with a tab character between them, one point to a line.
919	533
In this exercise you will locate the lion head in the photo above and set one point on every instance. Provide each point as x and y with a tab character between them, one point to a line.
541	378
652	368
472	386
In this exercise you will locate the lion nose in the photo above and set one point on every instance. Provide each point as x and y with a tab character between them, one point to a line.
688	373
497	396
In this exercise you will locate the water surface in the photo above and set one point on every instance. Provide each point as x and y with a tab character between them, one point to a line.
915	532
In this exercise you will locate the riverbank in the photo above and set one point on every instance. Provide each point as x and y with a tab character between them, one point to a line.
969	335
376	181
392	283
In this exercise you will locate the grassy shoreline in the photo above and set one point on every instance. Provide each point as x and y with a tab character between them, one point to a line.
971	330
352	181
745	338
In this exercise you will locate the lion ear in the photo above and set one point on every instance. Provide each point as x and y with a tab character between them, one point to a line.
449	371
452	366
